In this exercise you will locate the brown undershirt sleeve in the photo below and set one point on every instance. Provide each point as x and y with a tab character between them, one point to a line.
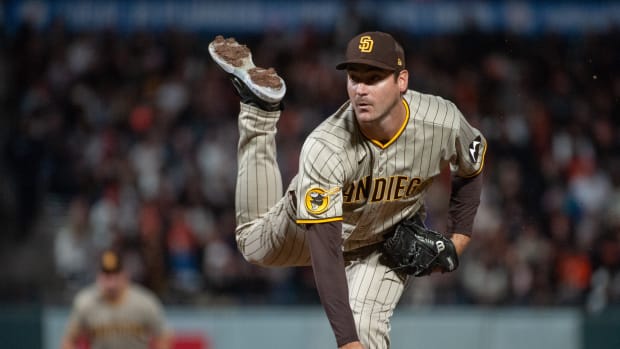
464	202
325	241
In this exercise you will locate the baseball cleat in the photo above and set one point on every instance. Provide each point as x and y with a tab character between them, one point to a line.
259	86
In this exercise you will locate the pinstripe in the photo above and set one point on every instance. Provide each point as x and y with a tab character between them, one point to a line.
358	299
424	135
370	301
265	233
374	292
441	132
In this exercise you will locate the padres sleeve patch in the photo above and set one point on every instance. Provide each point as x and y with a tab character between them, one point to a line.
317	200
319	204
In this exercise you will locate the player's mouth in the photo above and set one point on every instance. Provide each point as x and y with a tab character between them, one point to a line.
363	105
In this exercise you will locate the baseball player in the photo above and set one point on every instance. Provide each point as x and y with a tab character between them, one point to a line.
115	313
363	174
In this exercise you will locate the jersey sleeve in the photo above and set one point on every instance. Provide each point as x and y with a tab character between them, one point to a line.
159	331
325	244
319	185
470	148
76	321
155	312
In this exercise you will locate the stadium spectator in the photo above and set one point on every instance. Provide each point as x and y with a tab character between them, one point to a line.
137	124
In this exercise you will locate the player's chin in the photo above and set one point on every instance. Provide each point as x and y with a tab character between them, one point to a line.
363	113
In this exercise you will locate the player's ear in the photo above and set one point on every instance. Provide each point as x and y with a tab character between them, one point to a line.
403	80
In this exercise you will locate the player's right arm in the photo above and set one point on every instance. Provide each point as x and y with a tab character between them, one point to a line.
325	241
74	331
70	339
319	204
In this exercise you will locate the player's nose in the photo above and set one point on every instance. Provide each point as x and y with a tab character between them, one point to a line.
361	88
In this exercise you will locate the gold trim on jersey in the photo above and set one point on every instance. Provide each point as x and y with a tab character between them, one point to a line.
311	221
400	131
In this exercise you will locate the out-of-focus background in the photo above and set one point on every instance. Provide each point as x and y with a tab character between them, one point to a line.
117	129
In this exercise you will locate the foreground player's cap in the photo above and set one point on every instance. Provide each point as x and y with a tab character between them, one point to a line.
110	262
377	49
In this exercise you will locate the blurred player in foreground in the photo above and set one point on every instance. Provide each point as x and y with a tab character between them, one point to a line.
115	313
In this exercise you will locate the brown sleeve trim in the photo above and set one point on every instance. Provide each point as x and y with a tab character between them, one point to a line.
464	202
325	240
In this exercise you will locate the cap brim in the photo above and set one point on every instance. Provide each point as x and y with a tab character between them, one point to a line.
372	63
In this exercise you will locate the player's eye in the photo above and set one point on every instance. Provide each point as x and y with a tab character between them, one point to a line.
374	78
368	79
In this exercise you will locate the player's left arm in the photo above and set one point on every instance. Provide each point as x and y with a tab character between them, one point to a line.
463	205
75	331
161	334
467	166
460	242
421	251
162	341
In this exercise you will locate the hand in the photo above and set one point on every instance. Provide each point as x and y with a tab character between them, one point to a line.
352	345
416	250
460	241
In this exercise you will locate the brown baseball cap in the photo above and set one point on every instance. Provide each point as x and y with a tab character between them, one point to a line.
110	262
377	49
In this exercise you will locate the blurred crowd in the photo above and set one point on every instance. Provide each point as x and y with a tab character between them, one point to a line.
135	134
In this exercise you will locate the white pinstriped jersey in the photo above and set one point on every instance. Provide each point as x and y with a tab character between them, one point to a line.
129	324
371	186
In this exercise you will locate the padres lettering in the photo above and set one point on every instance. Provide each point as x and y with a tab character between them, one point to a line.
366	44
122	329
383	189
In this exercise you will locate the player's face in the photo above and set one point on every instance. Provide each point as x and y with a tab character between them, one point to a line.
112	285
374	92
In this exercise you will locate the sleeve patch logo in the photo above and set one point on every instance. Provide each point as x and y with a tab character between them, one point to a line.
474	149
317	200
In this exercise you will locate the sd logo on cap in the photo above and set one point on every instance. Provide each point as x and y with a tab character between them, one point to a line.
111	262
376	49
